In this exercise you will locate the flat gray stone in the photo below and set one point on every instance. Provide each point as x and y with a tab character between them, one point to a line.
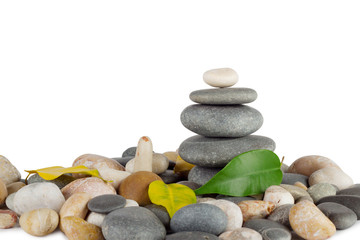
341	216
276	234
217	152
129	152
221	121
292	178
190	184
169	176
349	191
133	223
200	217
123	160
191	236
281	215
349	201
260	225
321	190
202	175
106	203
224	96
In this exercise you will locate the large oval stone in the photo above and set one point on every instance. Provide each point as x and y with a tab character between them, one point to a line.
200	217
308	164
221	121
332	175
309	222
341	216
38	195
224	96
350	201
217	152
133	223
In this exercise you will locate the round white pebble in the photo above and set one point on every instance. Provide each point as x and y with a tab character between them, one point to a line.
221	77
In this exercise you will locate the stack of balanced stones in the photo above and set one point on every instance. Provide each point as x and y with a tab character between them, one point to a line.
224	125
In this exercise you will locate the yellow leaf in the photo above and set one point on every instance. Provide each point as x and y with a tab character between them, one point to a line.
182	167
51	173
171	196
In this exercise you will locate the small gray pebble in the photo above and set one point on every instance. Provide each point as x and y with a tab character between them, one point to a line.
106	203
169	176
292	178
61	181
321	190
281	215
131	151
202	175
349	191
276	234
161	213
123	160
190	184
349	201
191	236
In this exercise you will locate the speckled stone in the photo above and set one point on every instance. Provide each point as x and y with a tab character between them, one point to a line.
224	96
221	121
349	191
191	236
241	234
341	216
292	178
217	152
281	215
39	222
317	225
129	152
349	201
133	223
199	217
261	225
61	181
106	203
161	213
92	185
38	195
321	190
255	209
202	175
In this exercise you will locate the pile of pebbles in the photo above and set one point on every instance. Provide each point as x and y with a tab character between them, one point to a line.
315	199
224	125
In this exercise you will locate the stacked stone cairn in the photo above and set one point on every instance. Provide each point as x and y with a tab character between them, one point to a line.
223	123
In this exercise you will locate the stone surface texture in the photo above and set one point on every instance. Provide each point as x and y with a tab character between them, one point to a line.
224	96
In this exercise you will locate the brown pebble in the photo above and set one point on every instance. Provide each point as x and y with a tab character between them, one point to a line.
78	229
308	164
8	219
136	186
252	209
300	185
3	192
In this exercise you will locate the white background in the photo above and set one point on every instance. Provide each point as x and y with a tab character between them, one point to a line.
94	76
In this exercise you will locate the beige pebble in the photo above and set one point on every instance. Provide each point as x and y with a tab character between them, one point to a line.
114	177
3	192
92	185
8	172
8	219
131	203
78	229
10	202
93	161
39	222
300	185
160	164
144	154
241	234
252	209
331	175
308	164
278	195
14	187
75	205
172	156
232	211
221	77
96	218
309	222
204	199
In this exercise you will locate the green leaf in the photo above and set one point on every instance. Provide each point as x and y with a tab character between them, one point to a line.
247	174
171	196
